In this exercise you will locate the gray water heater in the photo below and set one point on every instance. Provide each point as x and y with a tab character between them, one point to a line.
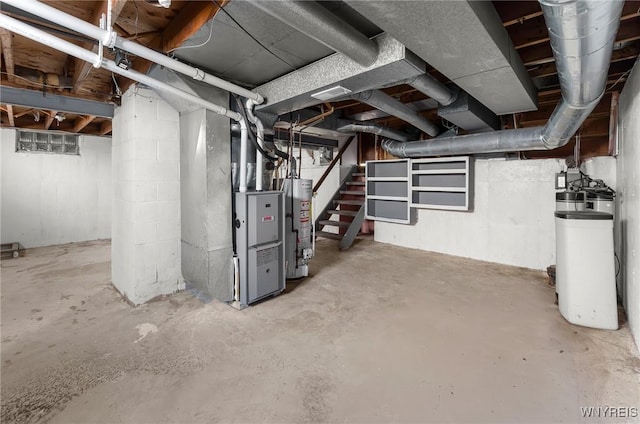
259	229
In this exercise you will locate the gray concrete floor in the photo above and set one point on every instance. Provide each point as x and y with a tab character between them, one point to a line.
375	334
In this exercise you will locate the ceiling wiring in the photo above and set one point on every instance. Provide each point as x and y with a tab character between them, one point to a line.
619	79
197	45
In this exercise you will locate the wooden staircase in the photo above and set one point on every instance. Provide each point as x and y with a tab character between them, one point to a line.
345	211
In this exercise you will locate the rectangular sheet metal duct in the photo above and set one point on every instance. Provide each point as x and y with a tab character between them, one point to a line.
465	41
466	112
293	91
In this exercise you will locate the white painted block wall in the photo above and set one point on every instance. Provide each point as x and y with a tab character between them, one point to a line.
50	199
146	197
628	202
512	222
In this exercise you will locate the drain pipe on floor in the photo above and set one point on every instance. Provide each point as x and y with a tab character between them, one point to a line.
111	39
582	33
71	49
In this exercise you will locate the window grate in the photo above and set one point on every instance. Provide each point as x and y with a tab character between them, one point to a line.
46	142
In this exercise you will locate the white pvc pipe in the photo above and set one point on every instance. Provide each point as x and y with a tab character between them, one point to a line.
111	39
244	133
259	158
260	136
313	223
71	49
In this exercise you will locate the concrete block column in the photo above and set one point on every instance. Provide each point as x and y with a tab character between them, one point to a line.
145	249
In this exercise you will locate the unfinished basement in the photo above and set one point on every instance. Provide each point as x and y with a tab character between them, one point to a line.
291	211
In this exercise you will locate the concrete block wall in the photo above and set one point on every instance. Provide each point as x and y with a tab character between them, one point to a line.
146	197
512	222
50	199
628	199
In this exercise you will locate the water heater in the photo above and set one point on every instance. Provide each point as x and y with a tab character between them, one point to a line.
298	226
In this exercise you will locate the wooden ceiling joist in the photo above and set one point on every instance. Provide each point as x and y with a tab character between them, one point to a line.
540	54
190	19
529	33
12	121
83	69
626	53
50	118
6	38
186	23
628	30
517	12
81	123
106	127
26	112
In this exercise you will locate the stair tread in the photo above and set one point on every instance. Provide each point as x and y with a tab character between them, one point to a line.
358	174
326	234
341	212
356	183
353	192
349	202
344	224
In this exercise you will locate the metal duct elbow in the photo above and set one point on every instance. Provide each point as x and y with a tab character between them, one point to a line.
374	129
582	33
316	22
388	104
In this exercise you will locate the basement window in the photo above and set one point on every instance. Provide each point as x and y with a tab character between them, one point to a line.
47	142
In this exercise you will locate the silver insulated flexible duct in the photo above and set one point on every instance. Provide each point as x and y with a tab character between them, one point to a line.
374	129
388	104
433	88
582	33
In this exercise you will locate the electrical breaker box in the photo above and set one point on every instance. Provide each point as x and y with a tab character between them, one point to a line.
259	229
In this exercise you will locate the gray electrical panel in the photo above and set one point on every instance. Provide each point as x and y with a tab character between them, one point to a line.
259	227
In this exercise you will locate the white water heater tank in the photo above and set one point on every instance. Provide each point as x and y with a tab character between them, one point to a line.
298	225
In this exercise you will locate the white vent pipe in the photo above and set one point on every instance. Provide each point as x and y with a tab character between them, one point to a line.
260	136
71	49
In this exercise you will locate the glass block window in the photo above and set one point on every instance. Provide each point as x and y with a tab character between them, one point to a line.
46	142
